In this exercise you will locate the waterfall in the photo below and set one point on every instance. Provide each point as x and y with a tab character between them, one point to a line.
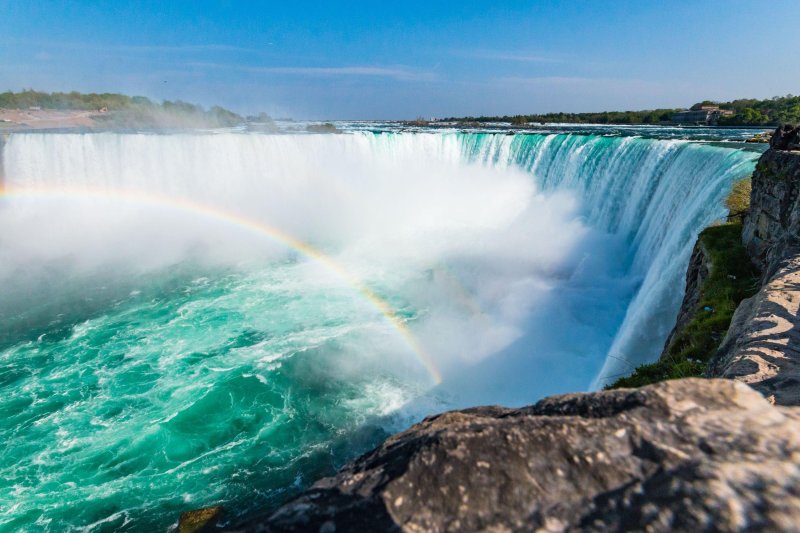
656	194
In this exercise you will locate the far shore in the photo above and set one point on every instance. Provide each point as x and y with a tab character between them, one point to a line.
54	120
37	119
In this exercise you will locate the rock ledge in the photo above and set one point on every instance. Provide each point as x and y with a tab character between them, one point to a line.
689	455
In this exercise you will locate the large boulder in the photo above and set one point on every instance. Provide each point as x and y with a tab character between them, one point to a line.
687	455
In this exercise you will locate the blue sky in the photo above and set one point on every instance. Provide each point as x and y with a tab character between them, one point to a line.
340	60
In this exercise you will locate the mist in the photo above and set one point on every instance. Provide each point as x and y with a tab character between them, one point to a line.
471	248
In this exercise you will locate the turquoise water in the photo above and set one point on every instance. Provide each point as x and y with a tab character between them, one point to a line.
202	392
156	358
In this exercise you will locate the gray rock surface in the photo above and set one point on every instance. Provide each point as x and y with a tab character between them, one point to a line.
686	455
762	346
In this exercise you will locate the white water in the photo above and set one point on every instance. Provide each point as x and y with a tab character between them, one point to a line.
523	260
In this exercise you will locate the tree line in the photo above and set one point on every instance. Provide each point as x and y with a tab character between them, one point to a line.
773	111
747	112
123	110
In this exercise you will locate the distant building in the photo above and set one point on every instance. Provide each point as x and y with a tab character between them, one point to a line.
707	115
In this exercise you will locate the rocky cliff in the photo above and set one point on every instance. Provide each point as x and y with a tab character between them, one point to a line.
771	230
762	346
686	455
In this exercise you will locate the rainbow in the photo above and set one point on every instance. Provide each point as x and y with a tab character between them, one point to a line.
253	226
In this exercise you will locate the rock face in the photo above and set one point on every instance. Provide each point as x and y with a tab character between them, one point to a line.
762	346
687	455
771	231
696	274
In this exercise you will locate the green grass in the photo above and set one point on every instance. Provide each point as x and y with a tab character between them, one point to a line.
732	278
738	201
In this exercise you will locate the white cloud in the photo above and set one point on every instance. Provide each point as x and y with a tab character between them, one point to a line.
499	55
395	72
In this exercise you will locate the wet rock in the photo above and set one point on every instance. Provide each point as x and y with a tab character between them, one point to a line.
686	455
200	520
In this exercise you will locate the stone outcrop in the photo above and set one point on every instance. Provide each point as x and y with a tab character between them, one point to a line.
785	137
686	455
762	346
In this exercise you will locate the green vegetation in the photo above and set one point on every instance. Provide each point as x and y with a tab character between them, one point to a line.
747	112
751	112
125	111
738	201
732	278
